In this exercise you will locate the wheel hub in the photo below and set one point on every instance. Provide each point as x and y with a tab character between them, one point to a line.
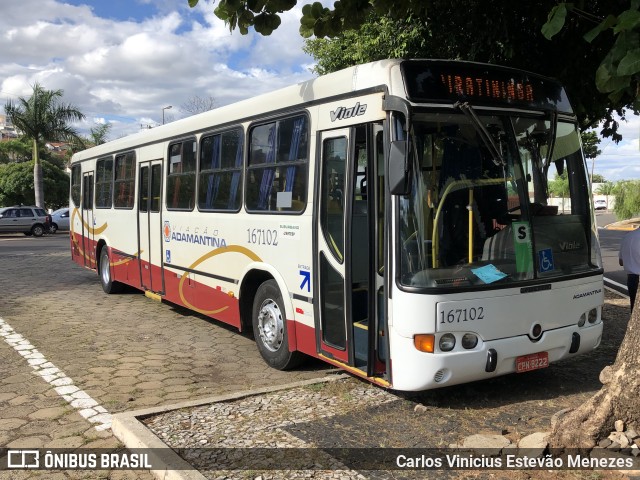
271	325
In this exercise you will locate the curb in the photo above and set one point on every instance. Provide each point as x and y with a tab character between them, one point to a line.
168	465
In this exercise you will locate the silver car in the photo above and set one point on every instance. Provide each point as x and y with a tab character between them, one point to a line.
28	220
60	220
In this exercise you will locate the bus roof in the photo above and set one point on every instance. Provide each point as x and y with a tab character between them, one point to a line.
384	75
360	77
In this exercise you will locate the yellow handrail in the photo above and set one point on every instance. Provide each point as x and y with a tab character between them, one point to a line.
457	185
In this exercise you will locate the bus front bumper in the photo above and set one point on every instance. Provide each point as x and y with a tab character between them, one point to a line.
414	370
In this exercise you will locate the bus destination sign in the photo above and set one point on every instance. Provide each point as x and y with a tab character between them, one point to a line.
445	81
497	89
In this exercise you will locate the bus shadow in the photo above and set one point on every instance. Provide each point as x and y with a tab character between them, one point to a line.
310	364
512	405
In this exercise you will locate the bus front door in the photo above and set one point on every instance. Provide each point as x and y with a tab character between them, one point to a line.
350	238
333	336
88	223
150	226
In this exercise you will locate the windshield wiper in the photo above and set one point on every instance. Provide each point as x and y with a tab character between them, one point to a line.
483	132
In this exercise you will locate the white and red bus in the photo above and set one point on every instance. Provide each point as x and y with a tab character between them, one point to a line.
393	219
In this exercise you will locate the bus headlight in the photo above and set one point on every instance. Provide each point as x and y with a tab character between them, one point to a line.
592	316
583	318
469	341
447	342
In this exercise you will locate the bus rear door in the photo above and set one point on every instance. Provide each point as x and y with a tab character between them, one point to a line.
150	226
88	224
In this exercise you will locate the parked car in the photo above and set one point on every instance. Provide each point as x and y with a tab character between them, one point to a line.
600	204
28	220
59	220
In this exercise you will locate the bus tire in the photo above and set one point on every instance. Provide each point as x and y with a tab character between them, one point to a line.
270	328
104	273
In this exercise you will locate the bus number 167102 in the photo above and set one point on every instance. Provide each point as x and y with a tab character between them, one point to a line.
457	315
262	236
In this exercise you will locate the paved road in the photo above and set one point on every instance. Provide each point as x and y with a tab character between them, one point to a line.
614	276
71	355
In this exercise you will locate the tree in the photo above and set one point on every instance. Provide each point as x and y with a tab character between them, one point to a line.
377	39
618	74
16	150
197	104
606	188
627	194
43	117
17	185
559	186
503	32
590	142
98	133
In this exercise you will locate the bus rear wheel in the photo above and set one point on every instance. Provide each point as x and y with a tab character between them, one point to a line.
270	328
104	272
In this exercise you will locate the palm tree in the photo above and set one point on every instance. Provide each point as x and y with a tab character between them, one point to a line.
42	117
99	133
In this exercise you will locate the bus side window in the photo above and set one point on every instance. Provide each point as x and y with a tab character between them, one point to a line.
278	166
104	182
220	171
124	180
181	175
76	182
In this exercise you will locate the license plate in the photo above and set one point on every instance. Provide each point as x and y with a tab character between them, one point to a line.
526	363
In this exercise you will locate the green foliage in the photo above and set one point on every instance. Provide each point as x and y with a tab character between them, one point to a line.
501	32
16	184
590	142
559	186
377	39
619	71
97	135
18	150
262	15
627	193
597	178
555	21
43	117
606	188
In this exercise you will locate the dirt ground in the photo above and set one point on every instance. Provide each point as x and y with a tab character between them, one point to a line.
513	406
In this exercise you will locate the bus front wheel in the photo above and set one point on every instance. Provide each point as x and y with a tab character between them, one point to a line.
270	328
104	272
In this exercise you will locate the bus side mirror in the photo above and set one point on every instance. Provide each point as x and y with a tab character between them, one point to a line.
398	174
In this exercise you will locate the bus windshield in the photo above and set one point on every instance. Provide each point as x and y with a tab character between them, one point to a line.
494	199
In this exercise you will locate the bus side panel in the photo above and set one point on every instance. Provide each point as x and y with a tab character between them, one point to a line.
183	289
75	239
305	340
125	268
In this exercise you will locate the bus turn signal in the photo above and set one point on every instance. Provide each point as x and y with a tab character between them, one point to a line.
424	342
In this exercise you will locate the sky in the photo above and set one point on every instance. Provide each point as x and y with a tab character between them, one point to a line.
123	61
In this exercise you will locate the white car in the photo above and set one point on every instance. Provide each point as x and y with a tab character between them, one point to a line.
600	204
60	220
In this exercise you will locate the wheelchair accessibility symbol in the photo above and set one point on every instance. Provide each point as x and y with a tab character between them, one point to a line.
545	260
